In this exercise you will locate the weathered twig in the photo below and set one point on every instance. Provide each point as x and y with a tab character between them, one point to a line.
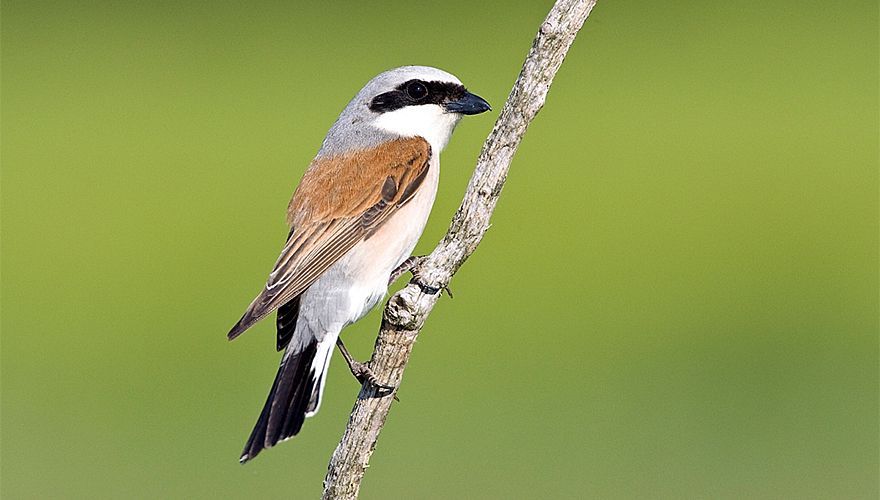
407	310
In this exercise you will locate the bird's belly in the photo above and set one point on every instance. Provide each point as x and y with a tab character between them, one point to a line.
351	287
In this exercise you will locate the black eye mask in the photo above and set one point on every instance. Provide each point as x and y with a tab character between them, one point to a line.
417	93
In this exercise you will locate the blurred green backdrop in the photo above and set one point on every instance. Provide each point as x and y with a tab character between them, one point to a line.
678	297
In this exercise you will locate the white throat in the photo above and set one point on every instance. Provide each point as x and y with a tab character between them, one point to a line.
428	121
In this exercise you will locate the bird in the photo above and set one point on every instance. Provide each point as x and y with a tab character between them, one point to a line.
354	220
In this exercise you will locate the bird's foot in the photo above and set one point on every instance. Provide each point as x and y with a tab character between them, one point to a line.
361	371
364	374
411	265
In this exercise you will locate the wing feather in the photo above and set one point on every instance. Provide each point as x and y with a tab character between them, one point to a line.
340	202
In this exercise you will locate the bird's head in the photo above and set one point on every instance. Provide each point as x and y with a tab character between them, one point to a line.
412	101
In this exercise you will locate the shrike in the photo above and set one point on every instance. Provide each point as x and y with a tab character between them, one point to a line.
356	216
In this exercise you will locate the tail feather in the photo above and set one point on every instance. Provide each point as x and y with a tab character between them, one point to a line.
288	402
286	323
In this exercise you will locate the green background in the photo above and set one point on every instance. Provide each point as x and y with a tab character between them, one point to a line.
678	297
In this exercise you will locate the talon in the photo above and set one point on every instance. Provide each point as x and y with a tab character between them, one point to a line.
427	289
432	290
361	371
364	374
406	266
411	265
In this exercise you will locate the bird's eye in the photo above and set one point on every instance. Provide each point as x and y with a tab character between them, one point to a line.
417	90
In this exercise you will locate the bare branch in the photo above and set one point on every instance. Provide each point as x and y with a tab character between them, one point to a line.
407	310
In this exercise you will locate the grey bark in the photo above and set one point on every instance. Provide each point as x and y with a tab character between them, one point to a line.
406	311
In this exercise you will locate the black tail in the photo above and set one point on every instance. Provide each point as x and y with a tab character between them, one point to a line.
289	400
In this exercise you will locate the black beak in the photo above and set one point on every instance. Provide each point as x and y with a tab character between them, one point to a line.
469	104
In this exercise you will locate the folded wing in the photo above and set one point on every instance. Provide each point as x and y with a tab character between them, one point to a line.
340	201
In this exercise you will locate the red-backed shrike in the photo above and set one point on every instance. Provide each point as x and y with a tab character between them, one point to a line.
355	218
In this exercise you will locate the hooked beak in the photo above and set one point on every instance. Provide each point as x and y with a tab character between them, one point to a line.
469	104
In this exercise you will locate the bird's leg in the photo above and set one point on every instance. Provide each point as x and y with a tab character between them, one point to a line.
406	266
360	370
412	265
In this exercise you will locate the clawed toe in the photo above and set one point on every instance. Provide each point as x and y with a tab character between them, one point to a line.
361	371
432	290
364	374
411	265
